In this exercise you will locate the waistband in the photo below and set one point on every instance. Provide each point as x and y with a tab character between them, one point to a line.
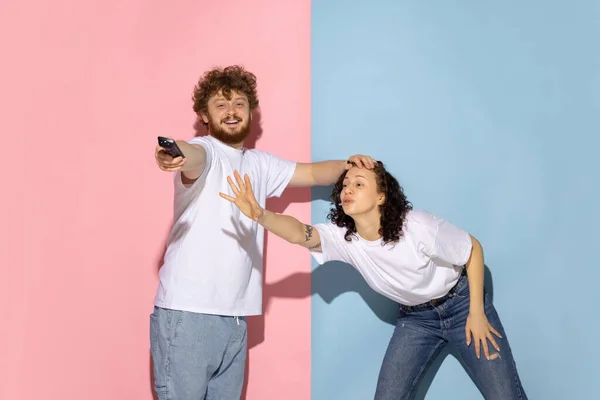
430	305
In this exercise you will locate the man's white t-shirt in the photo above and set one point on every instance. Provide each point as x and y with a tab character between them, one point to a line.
214	258
424	265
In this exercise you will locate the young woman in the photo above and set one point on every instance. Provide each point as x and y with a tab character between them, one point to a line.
433	269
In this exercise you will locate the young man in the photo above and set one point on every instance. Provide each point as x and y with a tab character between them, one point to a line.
211	278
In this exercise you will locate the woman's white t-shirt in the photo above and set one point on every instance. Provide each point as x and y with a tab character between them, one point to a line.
424	265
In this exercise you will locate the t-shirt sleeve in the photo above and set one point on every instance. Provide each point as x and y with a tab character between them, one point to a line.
202	141
279	174
331	244
443	240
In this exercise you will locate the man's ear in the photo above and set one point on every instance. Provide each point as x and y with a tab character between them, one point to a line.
204	117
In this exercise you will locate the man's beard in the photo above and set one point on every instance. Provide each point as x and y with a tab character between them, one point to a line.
228	137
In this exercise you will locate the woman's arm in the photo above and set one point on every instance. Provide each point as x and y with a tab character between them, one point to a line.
477	326
284	226
475	273
290	229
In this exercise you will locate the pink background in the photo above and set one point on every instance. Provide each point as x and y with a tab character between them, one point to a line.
89	85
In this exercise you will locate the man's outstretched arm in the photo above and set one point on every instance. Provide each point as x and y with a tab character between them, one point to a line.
325	173
191	166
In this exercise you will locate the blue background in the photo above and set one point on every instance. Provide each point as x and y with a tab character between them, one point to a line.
489	115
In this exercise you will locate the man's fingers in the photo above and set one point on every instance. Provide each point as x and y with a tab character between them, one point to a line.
367	162
171	165
362	161
169	169
356	160
167	160
164	157
177	162
172	161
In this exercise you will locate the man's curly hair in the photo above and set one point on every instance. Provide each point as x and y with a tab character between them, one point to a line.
393	210
224	80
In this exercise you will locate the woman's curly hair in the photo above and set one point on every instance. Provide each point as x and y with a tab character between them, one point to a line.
224	80
393	210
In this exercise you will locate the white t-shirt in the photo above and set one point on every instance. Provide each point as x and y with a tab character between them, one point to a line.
214	258
424	265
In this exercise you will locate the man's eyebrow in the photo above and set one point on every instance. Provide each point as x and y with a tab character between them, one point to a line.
222	98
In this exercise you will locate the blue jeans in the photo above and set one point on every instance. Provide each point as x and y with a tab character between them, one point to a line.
197	356
424	330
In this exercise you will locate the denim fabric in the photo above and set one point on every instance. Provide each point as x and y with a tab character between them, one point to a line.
197	356
423	331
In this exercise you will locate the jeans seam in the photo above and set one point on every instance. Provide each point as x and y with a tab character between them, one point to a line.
513	364
155	345
168	356
516	376
423	367
170	341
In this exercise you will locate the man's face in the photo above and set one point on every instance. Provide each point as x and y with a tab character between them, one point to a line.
228	120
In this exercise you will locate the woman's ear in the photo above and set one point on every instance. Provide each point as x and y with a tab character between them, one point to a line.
381	199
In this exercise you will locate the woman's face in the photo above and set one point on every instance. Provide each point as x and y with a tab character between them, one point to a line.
360	194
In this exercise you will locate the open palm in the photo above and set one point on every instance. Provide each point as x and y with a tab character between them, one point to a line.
244	196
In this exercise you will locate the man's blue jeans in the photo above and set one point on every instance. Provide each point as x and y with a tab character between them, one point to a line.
422	332
197	356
